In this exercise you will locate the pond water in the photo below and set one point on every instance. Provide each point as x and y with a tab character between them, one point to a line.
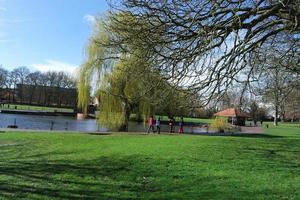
37	122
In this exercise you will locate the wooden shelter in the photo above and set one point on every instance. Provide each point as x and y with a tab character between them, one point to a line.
235	117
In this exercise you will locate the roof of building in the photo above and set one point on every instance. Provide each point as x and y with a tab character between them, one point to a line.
231	112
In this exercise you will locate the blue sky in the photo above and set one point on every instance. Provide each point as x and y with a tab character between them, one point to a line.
46	34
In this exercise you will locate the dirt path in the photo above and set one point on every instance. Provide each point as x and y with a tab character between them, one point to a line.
252	129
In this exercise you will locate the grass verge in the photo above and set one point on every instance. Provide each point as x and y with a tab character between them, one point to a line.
79	166
36	108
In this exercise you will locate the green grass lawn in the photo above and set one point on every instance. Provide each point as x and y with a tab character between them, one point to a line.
80	166
188	119
36	108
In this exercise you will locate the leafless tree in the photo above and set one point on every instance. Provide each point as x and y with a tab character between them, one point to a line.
21	74
51	77
275	84
292	105
3	81
33	79
3	77
206	45
13	81
64	80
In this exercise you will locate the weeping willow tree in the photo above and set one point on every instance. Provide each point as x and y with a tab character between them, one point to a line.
94	67
122	82
123	93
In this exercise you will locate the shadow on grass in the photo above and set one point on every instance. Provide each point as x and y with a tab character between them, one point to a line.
129	177
113	177
250	135
256	135
73	180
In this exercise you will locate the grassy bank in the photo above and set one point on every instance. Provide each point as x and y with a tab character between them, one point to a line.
73	166
35	108
177	119
188	119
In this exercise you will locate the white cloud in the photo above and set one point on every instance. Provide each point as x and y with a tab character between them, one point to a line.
5	40
2	35
13	21
4	22
89	19
54	65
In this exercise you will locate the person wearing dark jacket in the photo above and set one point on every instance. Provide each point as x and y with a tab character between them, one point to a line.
171	125
181	125
157	124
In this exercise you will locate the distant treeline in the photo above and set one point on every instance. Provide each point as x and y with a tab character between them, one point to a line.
37	88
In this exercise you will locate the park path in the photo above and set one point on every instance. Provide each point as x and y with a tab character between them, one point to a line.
252	129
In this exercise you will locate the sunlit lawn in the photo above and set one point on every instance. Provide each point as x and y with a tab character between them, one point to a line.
187	119
81	166
36	108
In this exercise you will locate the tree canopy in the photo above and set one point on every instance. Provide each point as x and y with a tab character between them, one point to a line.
206	45
203	47
124	80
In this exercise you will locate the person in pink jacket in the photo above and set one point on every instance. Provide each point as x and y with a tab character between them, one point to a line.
151	124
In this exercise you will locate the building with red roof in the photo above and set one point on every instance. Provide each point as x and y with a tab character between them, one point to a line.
235	116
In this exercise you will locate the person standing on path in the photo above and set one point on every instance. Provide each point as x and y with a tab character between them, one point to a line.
157	124
151	124
181	125
171	125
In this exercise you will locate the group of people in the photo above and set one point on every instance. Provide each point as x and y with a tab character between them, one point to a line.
156	123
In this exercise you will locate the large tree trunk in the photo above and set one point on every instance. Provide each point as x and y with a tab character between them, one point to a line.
126	114
276	104
276	116
282	109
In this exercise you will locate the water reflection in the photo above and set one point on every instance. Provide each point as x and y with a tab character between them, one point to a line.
49	122
72	124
